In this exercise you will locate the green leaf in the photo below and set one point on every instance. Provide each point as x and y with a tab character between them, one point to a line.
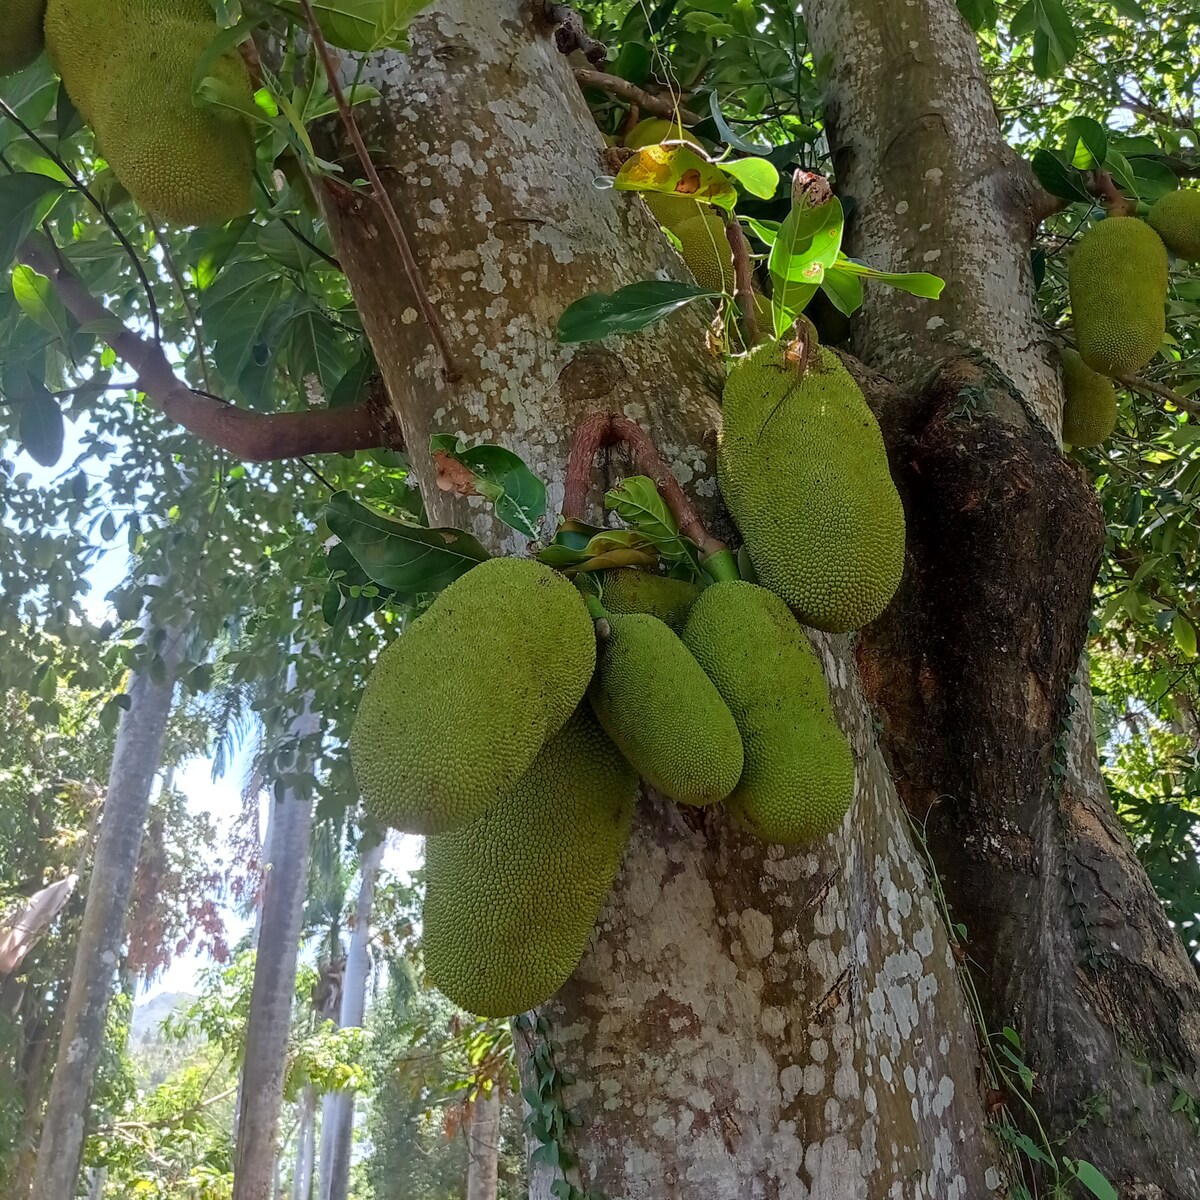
756	175
1085	143
807	244
978	13
1058	178
408	559
844	290
39	301
578	547
637	502
1184	633
315	348
765	231
676	169
1093	1180
40	425
1130	9
1054	41
626	310
362	25
916	283
513	490
26	200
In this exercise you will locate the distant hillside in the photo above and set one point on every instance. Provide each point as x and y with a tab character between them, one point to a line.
149	1016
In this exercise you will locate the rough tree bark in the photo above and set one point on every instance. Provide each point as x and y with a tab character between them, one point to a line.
337	1108
137	755
271	998
750	1021
483	1146
973	664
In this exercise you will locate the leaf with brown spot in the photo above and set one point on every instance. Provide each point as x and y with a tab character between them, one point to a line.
452	476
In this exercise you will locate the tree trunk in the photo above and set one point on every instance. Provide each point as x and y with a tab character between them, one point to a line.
272	995
337	1108
136	757
302	1175
973	666
483	1145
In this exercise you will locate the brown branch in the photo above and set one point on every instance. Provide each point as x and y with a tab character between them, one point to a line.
1099	184
570	34
252	436
382	199
591	434
1160	391
661	106
743	276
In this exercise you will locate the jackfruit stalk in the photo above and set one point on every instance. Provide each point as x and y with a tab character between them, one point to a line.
804	472
1089	402
663	712
1175	217
511	899
459	705
1117	278
128	67
798	778
626	590
22	41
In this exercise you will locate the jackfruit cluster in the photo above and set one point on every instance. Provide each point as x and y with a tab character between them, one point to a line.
804	473
798	778
511	899
663	713
625	590
21	41
1175	217
128	66
1117	278
1090	402
458	707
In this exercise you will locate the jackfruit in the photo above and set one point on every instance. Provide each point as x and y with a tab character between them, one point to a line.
1090	402
626	590
511	899
663	712
457	708
1175	217
654	130
804	473
798	779
128	68
707	252
22	42
1118	283
672	210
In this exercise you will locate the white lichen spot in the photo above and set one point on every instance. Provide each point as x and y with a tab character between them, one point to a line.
934	323
931	256
901	208
408	316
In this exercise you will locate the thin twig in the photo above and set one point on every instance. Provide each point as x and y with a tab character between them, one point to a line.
329	258
193	316
105	215
662	106
1160	391
247	435
382	199
743	276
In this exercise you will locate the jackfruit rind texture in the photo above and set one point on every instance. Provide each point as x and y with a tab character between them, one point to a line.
128	67
1118	283
511	899
663	712
798	779
1090	402
1175	217
707	252
672	210
626	590
804	472
459	705
21	38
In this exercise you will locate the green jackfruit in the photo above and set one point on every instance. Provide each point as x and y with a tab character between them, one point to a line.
804	473
510	900
1175	217
22	40
672	210
128	67
663	712
1090	402
707	252
459	706
654	130
798	779
1118	283
627	590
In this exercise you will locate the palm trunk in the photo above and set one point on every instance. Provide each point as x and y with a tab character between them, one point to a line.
136	758
272	995
483	1145
337	1108
302	1176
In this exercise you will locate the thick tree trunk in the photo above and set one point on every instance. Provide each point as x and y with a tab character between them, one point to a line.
750	1022
483	1146
337	1108
306	1144
274	985
136	757
973	664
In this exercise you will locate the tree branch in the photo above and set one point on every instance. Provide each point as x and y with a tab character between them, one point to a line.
255	437
743	275
661	106
1160	391
570	34
1099	184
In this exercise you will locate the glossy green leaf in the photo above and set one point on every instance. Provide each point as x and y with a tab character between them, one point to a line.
844	290
638	502
517	495
39	301
626	310
916	283
1085	143
806	245
26	200
1094	1181
1058	178
756	175
40	424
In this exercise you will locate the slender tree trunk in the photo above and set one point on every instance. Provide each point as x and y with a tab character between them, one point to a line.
337	1108
272	995
483	1146
750	1022
976	667
306	1142
136	758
